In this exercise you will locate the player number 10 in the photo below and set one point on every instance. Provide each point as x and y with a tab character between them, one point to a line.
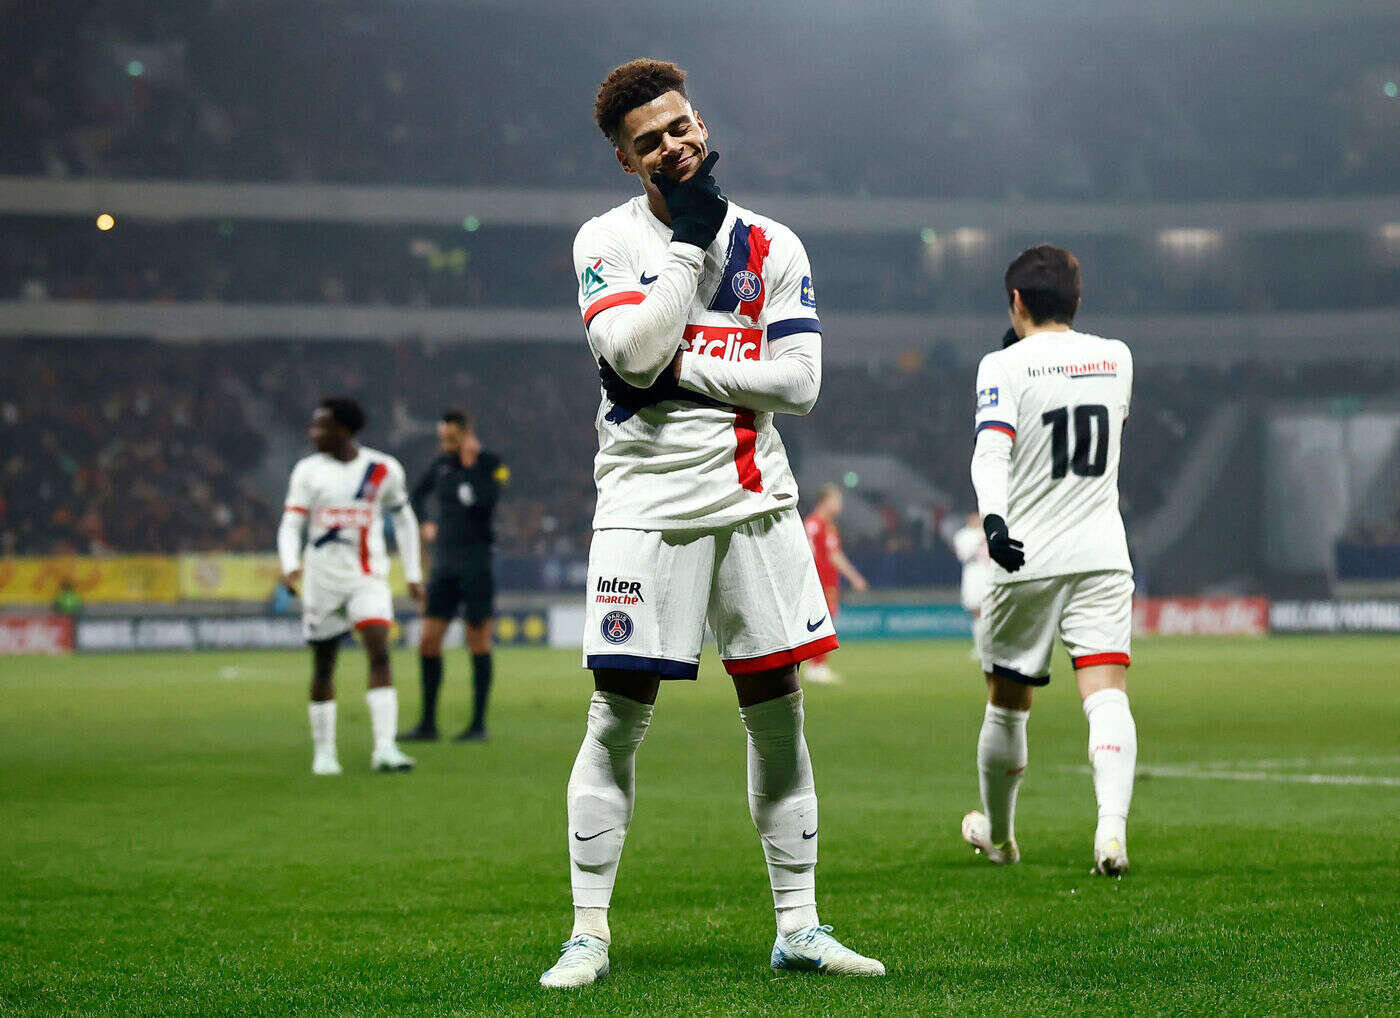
1090	440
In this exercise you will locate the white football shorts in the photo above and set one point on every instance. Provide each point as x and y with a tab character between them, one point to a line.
650	593
1091	612
330	608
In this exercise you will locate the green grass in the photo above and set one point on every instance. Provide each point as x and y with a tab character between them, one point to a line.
165	850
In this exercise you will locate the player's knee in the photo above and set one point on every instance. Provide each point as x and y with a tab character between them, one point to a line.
763	686
1008	694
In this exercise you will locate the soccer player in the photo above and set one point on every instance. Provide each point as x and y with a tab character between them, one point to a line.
1050	413
466	483
970	546
832	564
703	318
337	499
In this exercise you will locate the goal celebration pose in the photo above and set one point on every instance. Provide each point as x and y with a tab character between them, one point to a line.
1050	413
337	499
702	317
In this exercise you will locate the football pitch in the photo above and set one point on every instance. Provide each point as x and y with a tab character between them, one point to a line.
165	849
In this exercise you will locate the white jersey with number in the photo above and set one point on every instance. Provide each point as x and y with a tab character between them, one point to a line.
677	465
1061	398
345	503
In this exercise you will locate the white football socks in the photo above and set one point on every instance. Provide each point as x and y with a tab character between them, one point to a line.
1113	757
383	716
1001	762
322	715
600	799
783	804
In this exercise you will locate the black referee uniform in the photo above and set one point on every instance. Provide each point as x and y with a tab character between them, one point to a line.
460	581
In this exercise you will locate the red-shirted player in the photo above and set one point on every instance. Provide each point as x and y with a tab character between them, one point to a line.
832	564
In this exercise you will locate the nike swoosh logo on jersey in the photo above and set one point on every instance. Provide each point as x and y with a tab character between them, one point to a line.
580	837
812	627
647	280
808	837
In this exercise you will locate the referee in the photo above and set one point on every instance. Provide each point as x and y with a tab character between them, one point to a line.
466	483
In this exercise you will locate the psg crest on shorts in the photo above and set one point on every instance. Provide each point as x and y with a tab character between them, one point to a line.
617	627
747	285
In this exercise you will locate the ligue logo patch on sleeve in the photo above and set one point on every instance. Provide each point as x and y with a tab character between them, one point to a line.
809	293
592	280
987	398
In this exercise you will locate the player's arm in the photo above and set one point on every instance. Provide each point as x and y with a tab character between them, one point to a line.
400	508
418	498
636	333
991	461
847	568
292	527
789	381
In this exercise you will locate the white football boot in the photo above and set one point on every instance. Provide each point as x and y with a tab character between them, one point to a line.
821	674
977	832
814	949
583	962
325	764
390	760
1110	855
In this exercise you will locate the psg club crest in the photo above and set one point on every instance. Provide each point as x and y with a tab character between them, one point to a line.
747	285
617	627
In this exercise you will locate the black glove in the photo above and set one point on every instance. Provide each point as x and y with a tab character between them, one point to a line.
628	399
1005	551
695	206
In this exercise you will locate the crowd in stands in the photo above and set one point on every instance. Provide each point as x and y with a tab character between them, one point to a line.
246	261
456	94
133	446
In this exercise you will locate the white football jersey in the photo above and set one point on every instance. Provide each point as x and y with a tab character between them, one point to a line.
1062	397
345	503
677	465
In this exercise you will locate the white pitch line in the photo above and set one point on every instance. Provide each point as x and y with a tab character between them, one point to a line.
1286	779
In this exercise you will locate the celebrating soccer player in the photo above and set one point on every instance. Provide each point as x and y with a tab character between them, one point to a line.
703	319
337	499
466	483
1050	413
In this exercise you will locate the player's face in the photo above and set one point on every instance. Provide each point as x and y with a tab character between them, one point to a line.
326	434
449	436
663	136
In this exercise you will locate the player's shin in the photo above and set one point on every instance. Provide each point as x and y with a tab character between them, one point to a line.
383	704
1001	763
600	799
783	804
1113	757
322	717
430	675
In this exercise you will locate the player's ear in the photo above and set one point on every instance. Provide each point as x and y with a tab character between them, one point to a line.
700	123
622	160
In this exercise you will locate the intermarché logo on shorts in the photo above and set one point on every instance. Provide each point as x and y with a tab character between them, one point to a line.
618	591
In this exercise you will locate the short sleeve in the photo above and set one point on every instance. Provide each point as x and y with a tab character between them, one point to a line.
299	489
791	306
996	400
605	270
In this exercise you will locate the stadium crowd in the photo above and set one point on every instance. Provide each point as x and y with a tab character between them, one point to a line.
244	261
138	446
388	93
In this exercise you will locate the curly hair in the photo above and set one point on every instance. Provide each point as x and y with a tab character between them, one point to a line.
633	84
345	412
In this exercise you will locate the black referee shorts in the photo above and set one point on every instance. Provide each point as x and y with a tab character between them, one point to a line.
472	594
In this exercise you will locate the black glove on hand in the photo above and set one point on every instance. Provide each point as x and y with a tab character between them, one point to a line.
696	206
1005	551
629	397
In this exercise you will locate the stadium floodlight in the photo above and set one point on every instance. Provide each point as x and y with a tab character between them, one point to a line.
1191	240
